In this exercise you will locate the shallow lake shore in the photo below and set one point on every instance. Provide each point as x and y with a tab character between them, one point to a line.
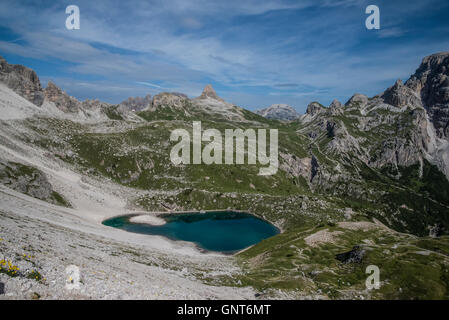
148	219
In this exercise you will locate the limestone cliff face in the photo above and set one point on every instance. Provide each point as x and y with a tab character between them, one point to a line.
400	96
22	80
61	99
431	83
69	104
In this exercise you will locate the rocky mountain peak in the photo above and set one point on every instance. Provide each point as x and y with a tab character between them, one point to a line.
281	112
436	63
335	104
431	83
357	99
314	108
209	92
24	81
336	107
400	96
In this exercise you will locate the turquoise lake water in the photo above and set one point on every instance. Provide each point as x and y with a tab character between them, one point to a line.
214	231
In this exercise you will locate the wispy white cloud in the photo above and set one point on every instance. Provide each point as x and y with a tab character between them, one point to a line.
150	84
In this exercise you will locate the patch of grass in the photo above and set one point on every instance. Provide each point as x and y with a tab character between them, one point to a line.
286	262
59	199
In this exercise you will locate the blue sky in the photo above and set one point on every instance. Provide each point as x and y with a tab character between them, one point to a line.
254	53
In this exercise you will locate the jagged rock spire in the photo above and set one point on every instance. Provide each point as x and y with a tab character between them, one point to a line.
209	92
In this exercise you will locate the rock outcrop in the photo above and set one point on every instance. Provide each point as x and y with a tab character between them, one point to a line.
88	109
355	255
400	96
314	108
62	100
336	107
295	166
22	80
281	112
30	181
357	100
169	99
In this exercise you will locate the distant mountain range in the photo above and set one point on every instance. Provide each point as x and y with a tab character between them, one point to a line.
281	112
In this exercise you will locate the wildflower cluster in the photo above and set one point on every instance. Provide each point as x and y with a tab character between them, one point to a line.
35	275
6	266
